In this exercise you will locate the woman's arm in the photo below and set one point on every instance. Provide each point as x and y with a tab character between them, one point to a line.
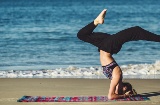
116	80
112	94
116	77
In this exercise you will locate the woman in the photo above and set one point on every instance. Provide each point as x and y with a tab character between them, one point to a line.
111	44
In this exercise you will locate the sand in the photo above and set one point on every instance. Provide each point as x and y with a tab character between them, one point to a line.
13	89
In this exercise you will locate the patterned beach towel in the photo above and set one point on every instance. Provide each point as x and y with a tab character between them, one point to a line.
77	99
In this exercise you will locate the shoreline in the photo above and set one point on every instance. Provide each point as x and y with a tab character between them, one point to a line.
75	77
139	71
12	89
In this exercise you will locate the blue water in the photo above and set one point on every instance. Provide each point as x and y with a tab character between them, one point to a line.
41	34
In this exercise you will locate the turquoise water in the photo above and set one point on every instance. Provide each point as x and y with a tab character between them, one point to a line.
38	34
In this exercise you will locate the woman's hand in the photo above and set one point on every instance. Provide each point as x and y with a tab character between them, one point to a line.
128	94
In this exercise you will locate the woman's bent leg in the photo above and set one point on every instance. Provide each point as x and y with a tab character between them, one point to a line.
86	32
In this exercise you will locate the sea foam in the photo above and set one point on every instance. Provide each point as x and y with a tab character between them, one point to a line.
143	71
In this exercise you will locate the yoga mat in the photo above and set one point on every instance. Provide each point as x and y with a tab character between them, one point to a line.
77	99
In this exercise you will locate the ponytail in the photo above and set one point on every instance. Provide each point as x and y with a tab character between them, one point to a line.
134	92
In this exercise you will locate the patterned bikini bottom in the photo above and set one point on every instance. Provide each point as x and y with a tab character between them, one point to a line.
108	69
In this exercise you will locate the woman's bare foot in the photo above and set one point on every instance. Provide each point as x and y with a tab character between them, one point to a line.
100	18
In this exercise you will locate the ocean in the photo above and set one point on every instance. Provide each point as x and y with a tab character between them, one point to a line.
42	34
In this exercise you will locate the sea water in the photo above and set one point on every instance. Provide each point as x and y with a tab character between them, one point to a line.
40	35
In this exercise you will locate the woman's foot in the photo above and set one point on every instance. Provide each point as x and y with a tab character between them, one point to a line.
100	18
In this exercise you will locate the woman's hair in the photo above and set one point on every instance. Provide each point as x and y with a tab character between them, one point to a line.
129	88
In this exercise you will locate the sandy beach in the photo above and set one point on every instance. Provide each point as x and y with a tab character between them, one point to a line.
13	89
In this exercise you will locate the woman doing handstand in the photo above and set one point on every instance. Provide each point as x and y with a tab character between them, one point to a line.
111	44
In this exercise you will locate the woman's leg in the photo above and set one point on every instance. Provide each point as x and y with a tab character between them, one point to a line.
146	35
86	32
136	33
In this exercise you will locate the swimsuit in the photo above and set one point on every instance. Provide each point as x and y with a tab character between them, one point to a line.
108	69
113	43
